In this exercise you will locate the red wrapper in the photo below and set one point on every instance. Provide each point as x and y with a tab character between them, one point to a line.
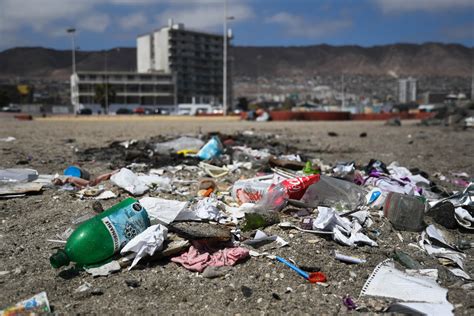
296	187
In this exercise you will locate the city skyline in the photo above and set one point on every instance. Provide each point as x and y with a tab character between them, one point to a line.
102	24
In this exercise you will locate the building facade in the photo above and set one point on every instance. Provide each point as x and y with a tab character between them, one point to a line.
407	90
195	57
124	89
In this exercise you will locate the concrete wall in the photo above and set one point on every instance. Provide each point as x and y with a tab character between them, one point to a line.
144	53
161	49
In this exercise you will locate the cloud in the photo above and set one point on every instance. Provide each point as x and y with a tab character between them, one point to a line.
39	14
297	26
94	23
207	15
134	21
400	6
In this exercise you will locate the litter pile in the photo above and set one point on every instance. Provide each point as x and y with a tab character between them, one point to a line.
208	203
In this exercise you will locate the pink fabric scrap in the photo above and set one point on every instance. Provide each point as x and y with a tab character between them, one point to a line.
200	255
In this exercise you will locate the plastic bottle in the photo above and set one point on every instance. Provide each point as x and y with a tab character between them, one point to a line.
245	191
100	237
277	196
336	193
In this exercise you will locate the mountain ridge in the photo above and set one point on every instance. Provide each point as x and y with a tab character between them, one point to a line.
401	59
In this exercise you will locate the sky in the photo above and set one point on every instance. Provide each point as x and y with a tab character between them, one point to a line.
105	24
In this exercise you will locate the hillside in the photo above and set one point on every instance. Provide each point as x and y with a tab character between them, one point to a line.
430	59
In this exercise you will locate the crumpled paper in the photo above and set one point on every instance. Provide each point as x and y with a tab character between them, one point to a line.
139	184
346	232
146	243
262	238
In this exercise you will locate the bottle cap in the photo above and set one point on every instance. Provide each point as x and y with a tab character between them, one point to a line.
59	259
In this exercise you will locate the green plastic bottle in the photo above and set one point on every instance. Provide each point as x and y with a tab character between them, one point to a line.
100	237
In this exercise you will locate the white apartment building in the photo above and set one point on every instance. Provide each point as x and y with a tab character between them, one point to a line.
131	89
407	90
195	57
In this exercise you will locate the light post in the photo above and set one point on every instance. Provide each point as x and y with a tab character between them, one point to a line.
106	78
259	57
224	95
72	31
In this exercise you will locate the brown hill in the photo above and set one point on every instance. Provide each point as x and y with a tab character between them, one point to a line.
430	59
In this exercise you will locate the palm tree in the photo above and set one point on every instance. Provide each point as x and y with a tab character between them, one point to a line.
104	95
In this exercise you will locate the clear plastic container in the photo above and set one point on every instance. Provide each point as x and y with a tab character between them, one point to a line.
335	193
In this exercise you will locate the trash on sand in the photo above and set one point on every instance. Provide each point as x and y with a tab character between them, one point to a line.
78	172
198	230
202	254
100	237
406	260
349	259
104	270
349	303
209	208
139	184
312	231
464	217
251	190
335	193
106	195
465	197
292	164
214	171
167	211
346	232
14	189
260	220
261	239
17	175
146	243
418	292
37	304
277	195
443	214
342	169
7	139
312	277
212	149
440	244
178	144
404	212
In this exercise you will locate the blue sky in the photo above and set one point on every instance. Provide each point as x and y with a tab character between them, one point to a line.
104	24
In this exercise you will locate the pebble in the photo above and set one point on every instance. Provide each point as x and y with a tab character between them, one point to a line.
132	283
97	291
259	300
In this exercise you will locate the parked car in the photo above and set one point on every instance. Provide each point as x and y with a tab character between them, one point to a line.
84	112
10	109
123	111
139	110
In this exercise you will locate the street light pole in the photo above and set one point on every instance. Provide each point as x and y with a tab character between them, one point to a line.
72	31
224	97
106	78
75	104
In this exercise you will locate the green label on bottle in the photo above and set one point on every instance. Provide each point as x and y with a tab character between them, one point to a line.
126	223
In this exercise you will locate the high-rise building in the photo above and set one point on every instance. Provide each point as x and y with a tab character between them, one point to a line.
195	57
407	90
